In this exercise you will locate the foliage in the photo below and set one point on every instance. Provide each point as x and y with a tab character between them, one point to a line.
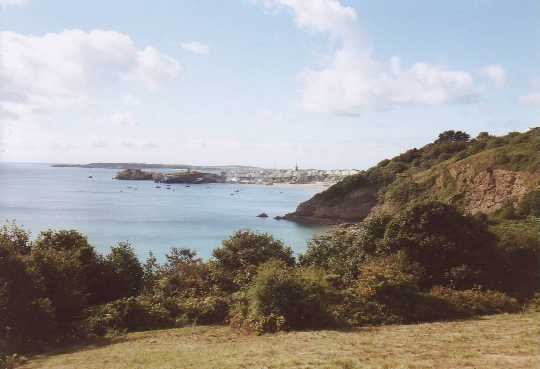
518	249
282	298
27	317
127	314
235	263
396	179
530	204
472	302
125	272
344	249
453	248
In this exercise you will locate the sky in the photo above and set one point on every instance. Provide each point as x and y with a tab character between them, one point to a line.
322	83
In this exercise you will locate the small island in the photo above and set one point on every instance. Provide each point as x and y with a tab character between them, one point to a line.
175	177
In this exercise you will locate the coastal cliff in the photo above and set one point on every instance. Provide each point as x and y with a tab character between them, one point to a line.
480	175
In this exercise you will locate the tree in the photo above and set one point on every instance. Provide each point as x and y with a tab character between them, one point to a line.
27	317
235	263
70	271
455	249
453	136
126	271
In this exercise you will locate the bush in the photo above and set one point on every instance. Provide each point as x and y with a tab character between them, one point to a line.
473	302
125	271
342	250
184	275
27	317
202	310
283	298
235	263
518	260
127	314
387	291
454	249
530	204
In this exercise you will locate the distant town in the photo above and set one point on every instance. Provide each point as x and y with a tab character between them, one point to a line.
228	174
291	176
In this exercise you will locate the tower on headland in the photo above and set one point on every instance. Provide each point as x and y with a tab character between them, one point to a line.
296	167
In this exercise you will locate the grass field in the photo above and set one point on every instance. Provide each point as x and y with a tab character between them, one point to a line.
500	341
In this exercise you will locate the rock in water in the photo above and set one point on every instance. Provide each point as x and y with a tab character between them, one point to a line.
262	215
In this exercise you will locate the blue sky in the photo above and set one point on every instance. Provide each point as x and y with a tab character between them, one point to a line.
325	83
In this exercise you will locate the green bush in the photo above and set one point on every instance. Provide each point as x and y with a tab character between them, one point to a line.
518	261
443	241
235	263
125	271
184	275
27	317
202	310
283	298
125	315
530	204
342	250
473	302
387	291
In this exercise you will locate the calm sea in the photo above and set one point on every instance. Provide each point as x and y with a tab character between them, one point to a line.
38	197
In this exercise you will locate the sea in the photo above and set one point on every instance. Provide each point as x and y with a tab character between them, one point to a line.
40	197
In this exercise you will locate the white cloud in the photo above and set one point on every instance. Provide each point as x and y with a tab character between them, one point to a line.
353	80
496	74
57	69
196	47
13	2
125	118
530	99
319	15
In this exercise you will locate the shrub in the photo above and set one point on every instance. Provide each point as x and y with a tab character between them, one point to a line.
184	275
282	298
127	314
440	239
235	263
387	291
342	250
530	204
518	260
70	271
468	303
202	310
27	317
126	271
402	191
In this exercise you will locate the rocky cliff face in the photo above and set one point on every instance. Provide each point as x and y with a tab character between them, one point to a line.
352	207
485	191
479	175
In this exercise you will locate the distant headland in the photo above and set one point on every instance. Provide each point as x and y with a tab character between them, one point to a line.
241	174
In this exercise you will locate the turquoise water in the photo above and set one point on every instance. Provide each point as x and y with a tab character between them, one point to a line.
39	197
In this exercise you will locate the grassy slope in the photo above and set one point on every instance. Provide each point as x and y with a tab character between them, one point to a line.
500	341
516	152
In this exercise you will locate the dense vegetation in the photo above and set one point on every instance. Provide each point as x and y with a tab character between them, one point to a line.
428	262
399	179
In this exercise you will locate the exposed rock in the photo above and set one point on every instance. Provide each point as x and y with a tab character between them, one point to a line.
176	177
354	206
262	215
488	190
134	175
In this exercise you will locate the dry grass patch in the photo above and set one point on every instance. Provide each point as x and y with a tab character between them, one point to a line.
500	341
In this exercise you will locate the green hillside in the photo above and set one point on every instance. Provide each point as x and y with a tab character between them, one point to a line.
449	169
